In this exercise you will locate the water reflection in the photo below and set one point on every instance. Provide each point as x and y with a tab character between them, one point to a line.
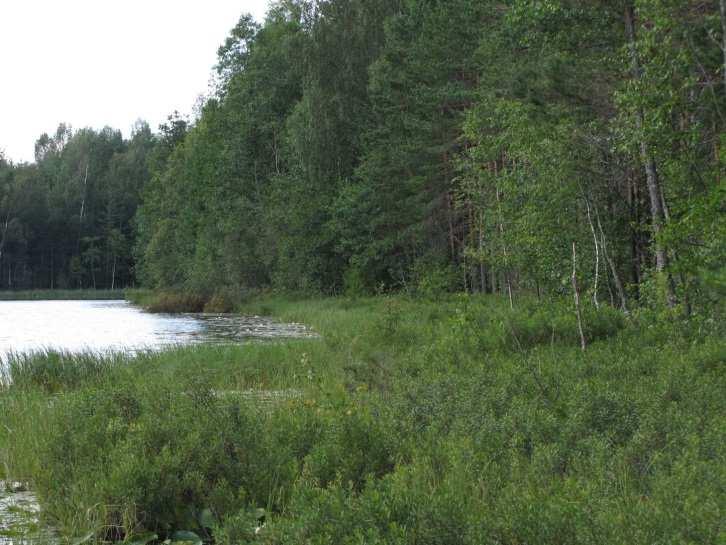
117	325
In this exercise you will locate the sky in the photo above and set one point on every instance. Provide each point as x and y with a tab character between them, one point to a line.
92	63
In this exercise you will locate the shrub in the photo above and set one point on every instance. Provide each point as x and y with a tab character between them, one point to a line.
407	422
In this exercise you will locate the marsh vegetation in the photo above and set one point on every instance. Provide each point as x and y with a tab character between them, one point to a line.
454	420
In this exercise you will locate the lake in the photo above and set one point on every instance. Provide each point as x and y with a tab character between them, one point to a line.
102	326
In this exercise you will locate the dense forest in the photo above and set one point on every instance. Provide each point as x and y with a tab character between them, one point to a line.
364	145
67	221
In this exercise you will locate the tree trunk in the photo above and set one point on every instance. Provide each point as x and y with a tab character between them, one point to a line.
449	217
651	171
83	208
597	253
4	234
507	278
576	292
113	274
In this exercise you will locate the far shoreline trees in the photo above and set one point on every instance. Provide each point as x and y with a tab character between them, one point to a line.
69	217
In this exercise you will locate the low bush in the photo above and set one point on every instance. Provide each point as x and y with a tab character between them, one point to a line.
217	302
407	422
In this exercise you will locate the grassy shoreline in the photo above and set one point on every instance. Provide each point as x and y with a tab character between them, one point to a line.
60	295
409	421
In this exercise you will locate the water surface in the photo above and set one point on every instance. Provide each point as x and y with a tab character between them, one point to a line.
101	326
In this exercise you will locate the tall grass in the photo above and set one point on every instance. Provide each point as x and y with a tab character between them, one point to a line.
409	422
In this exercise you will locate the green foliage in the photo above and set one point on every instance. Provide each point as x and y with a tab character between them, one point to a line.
354	282
350	145
452	421
431	280
67	219
222	300
373	146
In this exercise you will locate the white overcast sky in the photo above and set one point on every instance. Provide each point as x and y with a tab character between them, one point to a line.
92	63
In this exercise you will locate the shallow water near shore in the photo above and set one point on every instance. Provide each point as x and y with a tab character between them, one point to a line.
106	326
20	518
103	326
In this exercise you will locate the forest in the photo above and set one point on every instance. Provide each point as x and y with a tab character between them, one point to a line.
501	223
365	146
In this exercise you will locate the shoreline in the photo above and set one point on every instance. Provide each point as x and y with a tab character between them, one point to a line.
459	407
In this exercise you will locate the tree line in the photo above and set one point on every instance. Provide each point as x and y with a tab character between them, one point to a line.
365	145
67	220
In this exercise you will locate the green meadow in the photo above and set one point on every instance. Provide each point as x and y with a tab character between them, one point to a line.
442	421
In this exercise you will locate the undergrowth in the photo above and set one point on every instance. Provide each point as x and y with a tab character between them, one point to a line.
408	422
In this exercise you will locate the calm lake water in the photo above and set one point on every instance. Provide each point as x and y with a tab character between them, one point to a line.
102	326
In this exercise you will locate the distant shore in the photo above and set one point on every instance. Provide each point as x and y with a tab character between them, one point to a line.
60	295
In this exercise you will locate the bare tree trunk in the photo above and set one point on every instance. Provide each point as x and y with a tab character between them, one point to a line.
83	208
3	238
597	253
466	276
113	274
651	171
85	185
576	291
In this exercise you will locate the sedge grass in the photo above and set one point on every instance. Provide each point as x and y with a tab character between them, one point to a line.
449	421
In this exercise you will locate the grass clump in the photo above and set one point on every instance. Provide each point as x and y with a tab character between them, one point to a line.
407	422
52	372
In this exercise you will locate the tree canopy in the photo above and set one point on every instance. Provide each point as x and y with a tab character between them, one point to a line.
362	145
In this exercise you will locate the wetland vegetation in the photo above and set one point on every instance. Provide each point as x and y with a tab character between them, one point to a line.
454	421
